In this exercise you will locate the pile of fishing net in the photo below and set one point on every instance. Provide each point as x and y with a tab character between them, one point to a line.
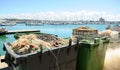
32	43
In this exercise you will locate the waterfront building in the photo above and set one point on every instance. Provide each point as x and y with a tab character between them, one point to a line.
101	20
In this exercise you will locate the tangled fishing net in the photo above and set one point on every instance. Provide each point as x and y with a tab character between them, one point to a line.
32	43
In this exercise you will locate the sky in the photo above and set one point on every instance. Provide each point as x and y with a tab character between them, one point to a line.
61	9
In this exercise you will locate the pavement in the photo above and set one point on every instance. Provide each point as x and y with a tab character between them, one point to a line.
3	65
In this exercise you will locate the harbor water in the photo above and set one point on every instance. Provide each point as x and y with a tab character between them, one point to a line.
62	31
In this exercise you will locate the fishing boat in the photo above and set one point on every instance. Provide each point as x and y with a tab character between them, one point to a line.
7	23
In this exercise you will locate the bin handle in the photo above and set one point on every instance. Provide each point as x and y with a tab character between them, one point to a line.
77	41
2	60
69	46
41	48
70	42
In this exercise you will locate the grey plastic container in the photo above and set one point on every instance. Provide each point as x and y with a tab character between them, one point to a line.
61	58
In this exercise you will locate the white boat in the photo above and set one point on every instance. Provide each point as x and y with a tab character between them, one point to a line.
7	23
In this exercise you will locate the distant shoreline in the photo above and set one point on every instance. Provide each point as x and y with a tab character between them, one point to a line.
11	22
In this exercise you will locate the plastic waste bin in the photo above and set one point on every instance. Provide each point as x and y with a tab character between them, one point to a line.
60	58
91	55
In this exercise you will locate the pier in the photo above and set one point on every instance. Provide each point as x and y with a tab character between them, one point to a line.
21	31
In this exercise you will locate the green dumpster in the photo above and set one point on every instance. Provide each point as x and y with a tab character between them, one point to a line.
61	58
56	58
91	54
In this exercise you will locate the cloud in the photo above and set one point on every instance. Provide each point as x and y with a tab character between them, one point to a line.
66	15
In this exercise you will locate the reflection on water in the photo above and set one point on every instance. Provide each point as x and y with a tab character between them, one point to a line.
3	38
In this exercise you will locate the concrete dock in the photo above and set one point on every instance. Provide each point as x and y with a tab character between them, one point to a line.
21	31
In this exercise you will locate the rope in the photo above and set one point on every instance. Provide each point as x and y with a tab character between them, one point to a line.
58	68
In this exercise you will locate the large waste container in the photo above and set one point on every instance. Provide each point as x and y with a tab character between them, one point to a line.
91	54
60	58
